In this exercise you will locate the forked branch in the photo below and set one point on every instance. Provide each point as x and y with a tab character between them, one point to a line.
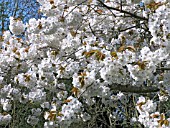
123	11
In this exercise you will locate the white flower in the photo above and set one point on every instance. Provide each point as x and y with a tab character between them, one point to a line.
45	105
37	95
163	97
16	26
7	106
85	116
62	94
33	120
133	120
6	35
5	119
144	105
121	96
50	124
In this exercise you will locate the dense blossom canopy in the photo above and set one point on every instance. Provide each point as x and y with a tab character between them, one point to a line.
84	63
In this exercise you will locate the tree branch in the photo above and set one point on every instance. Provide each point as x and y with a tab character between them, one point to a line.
133	89
16	7
123	11
162	68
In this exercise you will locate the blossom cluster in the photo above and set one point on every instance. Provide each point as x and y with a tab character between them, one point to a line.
149	117
64	69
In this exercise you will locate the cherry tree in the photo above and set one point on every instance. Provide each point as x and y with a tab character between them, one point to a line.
88	64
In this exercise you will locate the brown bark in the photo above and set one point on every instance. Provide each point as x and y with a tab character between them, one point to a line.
134	89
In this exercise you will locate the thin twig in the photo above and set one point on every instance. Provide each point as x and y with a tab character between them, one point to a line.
75	8
92	30
123	11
